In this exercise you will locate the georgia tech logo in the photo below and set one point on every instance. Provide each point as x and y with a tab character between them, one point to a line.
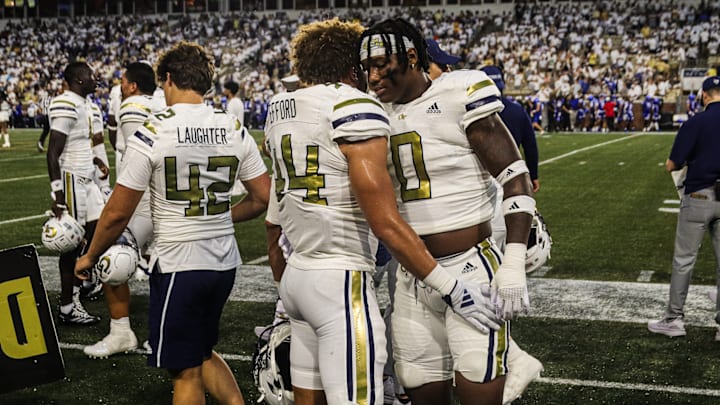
49	231
103	265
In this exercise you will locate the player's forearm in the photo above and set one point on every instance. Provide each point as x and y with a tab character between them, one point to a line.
113	220
404	245
255	202
275	254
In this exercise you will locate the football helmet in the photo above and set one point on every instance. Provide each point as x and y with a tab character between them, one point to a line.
271	366
119	262
62	234
539	243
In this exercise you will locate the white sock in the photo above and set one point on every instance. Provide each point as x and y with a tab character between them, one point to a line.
67	308
122	324
76	290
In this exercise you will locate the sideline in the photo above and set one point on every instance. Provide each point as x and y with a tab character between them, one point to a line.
614	301
543	380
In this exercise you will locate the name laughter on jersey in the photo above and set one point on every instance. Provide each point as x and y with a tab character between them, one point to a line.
206	136
281	110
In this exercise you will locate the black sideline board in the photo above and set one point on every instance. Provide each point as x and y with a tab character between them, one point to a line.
29	350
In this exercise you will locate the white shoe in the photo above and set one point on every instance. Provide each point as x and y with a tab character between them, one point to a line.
523	370
668	327
113	343
717	334
6	145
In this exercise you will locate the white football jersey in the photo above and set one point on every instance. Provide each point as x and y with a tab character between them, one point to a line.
96	124
72	115
4	111
318	211
134	111
439	182
114	100
235	106
191	155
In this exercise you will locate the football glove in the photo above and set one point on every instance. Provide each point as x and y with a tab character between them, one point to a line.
472	302
509	287
106	190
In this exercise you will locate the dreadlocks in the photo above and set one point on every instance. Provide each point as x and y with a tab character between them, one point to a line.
395	32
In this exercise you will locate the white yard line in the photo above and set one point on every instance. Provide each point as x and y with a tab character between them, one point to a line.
261	259
37	176
227	356
15	159
576	151
10	221
628	386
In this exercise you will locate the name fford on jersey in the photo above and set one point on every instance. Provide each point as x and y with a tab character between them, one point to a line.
281	110
202	136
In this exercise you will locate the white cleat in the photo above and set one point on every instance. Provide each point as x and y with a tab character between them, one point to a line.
523	370
114	343
672	327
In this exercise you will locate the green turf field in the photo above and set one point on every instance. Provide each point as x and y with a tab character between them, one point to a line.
601	195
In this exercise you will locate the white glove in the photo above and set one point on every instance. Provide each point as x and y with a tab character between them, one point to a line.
106	191
509	287
472	302
469	301
285	245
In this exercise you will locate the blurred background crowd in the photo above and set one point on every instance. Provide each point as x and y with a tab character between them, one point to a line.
560	56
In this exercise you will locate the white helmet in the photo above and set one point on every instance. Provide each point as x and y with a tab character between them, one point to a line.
539	243
119	262
62	234
271	366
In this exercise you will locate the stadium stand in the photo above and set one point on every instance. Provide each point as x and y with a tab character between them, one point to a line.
621	49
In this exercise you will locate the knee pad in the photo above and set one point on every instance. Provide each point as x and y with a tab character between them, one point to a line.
411	376
477	371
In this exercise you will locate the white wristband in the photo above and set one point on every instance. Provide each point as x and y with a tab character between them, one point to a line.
56	185
440	280
518	203
514	255
100	153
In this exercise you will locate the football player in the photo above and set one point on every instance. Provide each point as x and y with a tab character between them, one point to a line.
4	119
137	87
235	106
448	203
189	155
71	163
328	142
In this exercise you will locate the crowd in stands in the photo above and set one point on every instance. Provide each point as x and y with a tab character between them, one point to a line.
577	52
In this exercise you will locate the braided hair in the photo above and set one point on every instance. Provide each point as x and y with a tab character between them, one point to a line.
398	28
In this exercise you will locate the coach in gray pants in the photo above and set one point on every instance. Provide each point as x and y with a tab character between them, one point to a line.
697	145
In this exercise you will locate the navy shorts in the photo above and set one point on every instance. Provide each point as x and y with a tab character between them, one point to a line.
185	309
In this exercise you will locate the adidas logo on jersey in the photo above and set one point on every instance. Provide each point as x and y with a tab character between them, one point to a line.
434	109
469	267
